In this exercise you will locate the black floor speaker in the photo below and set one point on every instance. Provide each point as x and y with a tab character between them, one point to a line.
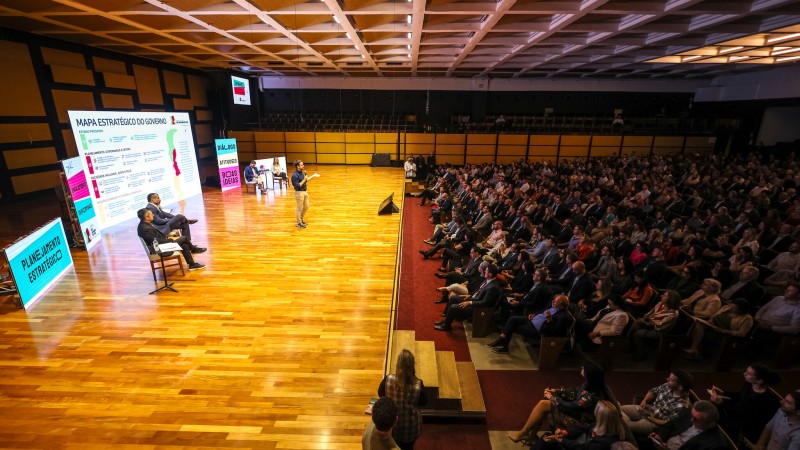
388	206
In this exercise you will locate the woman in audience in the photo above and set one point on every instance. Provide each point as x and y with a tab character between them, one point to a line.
639	234
748	410
567	407
599	300
637	299
730	320
408	393
278	172
639	254
608	428
656	323
748	240
622	279
705	301
741	259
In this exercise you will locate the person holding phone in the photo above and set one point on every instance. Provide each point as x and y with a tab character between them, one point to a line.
660	405
300	183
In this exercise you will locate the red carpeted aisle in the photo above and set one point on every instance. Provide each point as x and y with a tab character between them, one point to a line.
415	309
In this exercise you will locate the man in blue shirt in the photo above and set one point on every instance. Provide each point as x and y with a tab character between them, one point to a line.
300	183
552	322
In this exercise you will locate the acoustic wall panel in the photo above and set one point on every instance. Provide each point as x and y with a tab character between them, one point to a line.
69	143
108	65
269	136
33	182
19	91
182	104
204	115
174	83
55	57
118	81
30	157
72	100
202	133
148	85
308	158
116	101
24	132
72	75
360	138
197	90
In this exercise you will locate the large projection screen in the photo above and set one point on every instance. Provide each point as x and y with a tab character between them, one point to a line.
127	155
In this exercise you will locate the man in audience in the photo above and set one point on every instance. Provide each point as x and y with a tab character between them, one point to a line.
378	434
149	233
747	287
582	287
552	322
696	430
783	431
166	222
660	405
782	313
486	296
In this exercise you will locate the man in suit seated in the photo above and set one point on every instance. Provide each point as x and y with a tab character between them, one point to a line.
536	299
552	322
582	285
148	232
486	296
697	430
253	176
166	222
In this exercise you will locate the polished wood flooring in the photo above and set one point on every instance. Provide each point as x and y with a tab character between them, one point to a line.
279	343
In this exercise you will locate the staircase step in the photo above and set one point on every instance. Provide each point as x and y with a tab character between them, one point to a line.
448	375
401	339
471	394
425	357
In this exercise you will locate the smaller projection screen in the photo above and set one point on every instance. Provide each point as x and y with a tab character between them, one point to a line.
241	91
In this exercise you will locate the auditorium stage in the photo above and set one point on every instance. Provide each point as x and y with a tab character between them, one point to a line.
278	343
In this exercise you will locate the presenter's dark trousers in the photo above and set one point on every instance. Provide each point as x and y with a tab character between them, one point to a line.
179	222
186	249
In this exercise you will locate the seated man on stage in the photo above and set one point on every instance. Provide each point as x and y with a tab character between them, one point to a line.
253	175
166	222
147	231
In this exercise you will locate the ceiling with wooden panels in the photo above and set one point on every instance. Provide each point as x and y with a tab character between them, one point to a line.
432	38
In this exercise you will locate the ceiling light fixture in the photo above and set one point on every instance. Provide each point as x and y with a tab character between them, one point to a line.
348	35
737	58
730	49
788	58
409	46
335	19
691	58
409	35
408	18
356	46
783	38
784	50
363	57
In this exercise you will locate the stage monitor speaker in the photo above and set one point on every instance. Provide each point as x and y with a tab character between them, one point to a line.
388	206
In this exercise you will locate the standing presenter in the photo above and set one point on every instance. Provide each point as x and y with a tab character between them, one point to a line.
300	183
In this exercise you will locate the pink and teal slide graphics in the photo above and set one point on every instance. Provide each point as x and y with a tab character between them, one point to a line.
228	160
81	197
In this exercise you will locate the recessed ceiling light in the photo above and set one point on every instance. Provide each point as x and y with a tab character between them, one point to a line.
784	50
788	58
783	38
691	58
730	49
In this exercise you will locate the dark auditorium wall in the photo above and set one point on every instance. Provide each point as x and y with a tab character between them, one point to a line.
234	117
443	104
41	79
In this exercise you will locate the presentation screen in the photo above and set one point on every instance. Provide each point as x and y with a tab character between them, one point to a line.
126	155
241	90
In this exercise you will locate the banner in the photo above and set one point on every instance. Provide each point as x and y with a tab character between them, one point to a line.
38	260
127	155
82	202
228	161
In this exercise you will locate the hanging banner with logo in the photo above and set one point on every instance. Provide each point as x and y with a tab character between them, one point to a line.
228	161
82	201
38	260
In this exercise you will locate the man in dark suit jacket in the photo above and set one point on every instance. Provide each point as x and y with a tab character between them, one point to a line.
536	299
582	286
486	296
166	222
695	430
149	233
555	321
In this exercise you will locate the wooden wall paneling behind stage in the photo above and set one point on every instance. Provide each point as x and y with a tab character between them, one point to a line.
278	343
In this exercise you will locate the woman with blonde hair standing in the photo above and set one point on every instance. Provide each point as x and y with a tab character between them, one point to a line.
408	392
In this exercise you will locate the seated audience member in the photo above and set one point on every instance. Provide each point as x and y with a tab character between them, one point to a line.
746	287
441	230
468	273
638	297
378	434
730	320
252	176
602	292
705	302
782	432
278	172
567	408
443	205
742	258
448	241
536	299
785	269
582	287
748	410
149	233
698	430
486	296
428	195
606	265
655	324
721	272
166	222
552	322
609	321
495	237
608	429
782	313
685	282
660	405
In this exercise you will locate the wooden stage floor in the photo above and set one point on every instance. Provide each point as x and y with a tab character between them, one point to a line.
279	343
